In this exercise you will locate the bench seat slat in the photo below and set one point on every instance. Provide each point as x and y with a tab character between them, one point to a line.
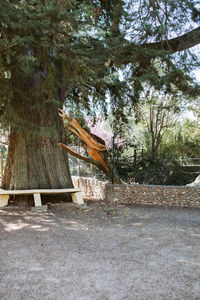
39	191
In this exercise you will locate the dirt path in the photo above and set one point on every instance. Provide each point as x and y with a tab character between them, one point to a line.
104	253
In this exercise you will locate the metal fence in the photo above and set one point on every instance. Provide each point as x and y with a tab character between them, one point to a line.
128	169
190	162
80	168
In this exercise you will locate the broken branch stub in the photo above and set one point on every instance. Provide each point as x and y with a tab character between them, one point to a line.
95	147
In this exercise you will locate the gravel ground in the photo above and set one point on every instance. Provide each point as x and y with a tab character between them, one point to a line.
99	253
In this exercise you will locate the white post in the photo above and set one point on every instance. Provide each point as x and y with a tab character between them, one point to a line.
37	200
77	198
4	200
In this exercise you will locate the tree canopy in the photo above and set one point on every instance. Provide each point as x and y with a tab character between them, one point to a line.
76	48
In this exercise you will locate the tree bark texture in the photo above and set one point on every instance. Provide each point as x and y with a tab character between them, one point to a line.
35	162
34	159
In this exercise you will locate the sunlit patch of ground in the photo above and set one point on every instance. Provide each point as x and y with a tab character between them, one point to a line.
102	252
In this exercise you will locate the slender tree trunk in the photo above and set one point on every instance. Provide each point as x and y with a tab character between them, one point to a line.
153	152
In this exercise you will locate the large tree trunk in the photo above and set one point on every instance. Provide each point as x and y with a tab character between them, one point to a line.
34	159
35	162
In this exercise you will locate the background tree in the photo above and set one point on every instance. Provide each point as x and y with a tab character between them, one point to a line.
153	148
52	52
159	113
183	141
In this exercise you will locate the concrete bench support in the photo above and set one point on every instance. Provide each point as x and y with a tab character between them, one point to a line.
77	198
4	200
37	199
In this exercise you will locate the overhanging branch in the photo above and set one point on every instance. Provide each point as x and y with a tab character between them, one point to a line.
127	49
180	43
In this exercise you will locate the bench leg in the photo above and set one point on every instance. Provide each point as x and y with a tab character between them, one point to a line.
4	200
77	198
37	199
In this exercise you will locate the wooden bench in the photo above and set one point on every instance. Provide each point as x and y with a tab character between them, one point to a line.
75	193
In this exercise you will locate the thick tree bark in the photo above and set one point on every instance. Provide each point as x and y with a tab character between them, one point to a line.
34	159
35	162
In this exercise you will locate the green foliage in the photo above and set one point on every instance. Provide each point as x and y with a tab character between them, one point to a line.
165	137
71	51
183	141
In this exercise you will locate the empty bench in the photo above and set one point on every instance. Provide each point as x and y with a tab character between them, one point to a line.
75	193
